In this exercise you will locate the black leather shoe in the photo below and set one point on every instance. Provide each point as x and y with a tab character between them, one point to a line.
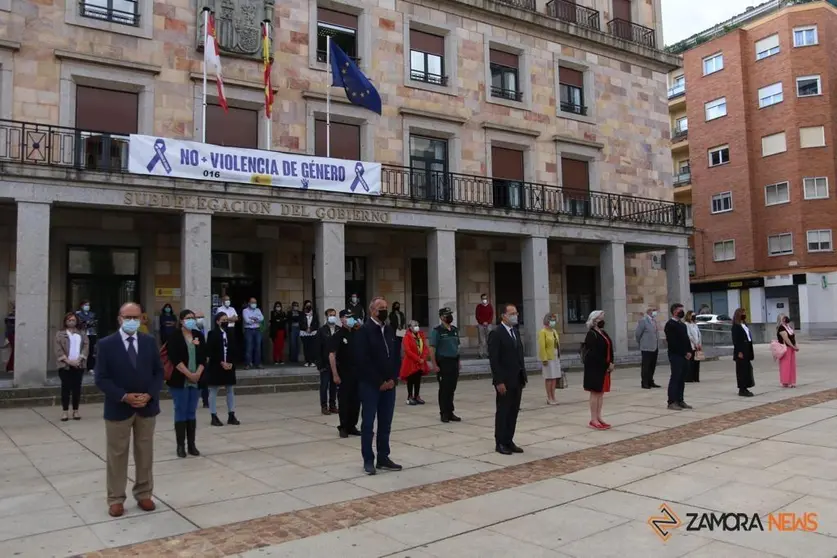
646	386
505	450
216	421
369	468
745	393
516	449
454	418
353	431
231	419
388	465
653	385
684	405
445	418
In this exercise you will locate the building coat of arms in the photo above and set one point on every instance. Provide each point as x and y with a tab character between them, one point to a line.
238	25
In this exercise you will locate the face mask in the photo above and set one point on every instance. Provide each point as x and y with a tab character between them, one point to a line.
277	308
654	314
189	323
199	321
354	300
447	319
167	310
226	304
680	314
743	317
130	326
395	308
71	324
86	308
332	320
382	315
350	322
786	320
485	301
601	324
223	324
552	323
513	319
416	329
253	305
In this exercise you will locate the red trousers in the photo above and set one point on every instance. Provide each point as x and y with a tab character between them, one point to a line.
279	346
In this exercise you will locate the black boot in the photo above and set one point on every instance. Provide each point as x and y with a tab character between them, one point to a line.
232	420
180	435
190	438
216	421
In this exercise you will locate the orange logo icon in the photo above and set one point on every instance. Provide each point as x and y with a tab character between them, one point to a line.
664	523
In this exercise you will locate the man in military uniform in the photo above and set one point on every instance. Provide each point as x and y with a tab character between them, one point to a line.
341	360
444	351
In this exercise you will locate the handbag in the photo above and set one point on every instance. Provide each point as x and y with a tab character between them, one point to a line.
778	350
699	356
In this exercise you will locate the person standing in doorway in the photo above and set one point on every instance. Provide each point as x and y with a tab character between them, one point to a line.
787	364
356	306
414	363
328	388
508	374
71	350
234	345
167	323
375	365
220	371
10	338
679	357
341	359
648	339
742	351
130	374
278	327
187	354
485	317
294	327
398	323
308	326
88	323
252	320
444	352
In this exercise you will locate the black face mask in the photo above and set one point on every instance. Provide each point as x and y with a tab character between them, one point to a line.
785	320
743	317
448	319
395	308
680	314
601	324
382	315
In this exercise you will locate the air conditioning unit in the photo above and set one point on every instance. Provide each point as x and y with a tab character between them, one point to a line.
105	153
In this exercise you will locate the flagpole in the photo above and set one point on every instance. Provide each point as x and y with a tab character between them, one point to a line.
205	39
267	118
328	96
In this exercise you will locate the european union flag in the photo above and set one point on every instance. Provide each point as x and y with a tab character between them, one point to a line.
346	74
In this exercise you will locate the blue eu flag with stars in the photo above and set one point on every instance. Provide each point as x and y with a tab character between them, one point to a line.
346	74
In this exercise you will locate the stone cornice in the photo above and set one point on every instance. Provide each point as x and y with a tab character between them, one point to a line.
407	111
559	138
101	61
6	44
511	129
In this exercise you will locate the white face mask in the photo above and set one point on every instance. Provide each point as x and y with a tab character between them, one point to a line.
416	329
226	304
485	301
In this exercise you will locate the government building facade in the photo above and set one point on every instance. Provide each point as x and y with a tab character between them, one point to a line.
523	148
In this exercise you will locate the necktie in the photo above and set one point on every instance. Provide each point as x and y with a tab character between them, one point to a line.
513	336
132	352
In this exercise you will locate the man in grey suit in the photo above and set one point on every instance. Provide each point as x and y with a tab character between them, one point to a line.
648	340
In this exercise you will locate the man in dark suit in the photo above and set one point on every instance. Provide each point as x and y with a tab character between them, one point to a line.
129	372
679	354
508	374
375	361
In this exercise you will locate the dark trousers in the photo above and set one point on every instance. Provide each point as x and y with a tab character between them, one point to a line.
505	417
309	348
414	384
448	377
649	365
70	386
398	341
692	371
349	399
205	396
744	374
328	389
676	384
293	351
91	352
380	404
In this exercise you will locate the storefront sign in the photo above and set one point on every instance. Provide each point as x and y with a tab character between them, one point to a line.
155	156
167	293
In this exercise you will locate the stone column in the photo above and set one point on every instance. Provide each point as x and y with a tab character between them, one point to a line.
330	267
196	264
535	267
32	294
677	274
614	295
441	270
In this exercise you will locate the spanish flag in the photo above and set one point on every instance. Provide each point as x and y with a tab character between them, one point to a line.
268	65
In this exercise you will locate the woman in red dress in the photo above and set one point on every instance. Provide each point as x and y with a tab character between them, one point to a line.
598	364
414	364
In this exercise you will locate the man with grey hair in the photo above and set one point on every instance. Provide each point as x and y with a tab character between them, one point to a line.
375	361
648	340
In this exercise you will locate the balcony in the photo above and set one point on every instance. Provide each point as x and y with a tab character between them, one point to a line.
676	91
507	94
573	13
427	77
633	32
69	148
522	4
573	109
679	134
683	179
105	11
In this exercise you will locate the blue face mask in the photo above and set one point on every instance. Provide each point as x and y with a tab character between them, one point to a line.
253	305
350	322
130	326
86	308
332	320
167	310
190	323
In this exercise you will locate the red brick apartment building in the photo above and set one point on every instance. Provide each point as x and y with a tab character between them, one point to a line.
760	103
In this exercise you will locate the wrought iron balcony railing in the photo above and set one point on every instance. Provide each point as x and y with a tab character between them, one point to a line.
522	4
56	146
633	32
565	10
427	77
679	134
106	12
676	90
573	108
508	94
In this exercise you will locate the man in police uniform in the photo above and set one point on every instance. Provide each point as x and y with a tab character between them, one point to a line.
444	351
341	361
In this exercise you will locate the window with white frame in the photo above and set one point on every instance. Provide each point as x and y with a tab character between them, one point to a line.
805	36
808	86
773	144
724	251
719	155
780	244
714	63
768	46
716	109
819	240
775	194
815	187
721	203
812	136
770	95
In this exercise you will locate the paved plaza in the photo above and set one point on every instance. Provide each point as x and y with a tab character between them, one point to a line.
283	484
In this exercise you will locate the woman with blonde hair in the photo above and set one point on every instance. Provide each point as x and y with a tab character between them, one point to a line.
549	355
597	355
787	364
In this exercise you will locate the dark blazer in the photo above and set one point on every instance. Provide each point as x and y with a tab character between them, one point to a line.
740	344
116	376
214	374
506	357
598	359
677	338
375	358
323	343
278	322
179	353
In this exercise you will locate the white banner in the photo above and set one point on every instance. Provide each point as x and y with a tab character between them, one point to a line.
155	156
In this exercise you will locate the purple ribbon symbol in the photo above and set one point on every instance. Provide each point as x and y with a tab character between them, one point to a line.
159	157
359	178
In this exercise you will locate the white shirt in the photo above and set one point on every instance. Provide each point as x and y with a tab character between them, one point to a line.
747	331
75	345
125	340
381	326
224	337
510	330
228	310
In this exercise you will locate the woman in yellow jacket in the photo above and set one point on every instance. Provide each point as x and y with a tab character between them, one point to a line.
549	355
